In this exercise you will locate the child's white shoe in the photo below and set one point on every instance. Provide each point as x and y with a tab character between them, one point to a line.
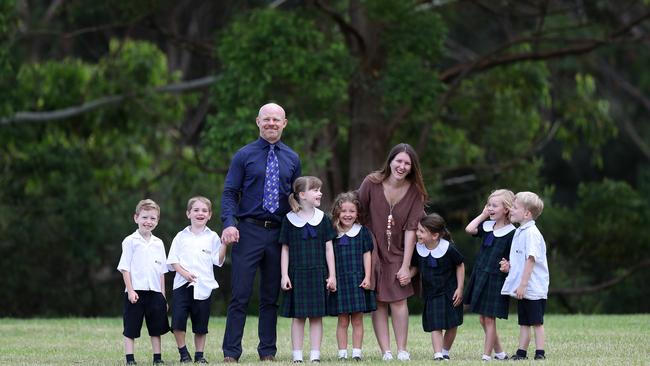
388	356
403	356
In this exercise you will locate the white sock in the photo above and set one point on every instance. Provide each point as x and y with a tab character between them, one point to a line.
314	355
356	352
437	355
343	353
486	358
445	352
500	355
297	355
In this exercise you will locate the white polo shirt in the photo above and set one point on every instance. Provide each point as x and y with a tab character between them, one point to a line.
197	254
528	242
144	260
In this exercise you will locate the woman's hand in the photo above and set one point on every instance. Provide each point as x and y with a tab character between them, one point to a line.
403	276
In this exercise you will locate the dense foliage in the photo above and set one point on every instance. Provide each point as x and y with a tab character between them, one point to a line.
545	96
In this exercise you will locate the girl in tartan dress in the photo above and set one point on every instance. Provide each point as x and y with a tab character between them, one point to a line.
307	265
352	251
484	289
442	274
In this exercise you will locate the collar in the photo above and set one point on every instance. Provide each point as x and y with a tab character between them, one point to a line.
298	221
489	226
136	234
436	252
188	230
525	226
354	230
265	144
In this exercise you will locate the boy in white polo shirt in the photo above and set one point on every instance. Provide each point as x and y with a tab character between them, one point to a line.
528	276
192	255
143	269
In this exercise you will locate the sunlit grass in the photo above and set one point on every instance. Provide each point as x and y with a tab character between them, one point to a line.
570	340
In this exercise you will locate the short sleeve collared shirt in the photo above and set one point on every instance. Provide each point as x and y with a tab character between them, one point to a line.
144	260
197	254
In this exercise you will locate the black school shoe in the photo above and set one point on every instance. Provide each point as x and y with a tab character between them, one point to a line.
159	362
201	360
517	357
446	357
540	356
186	359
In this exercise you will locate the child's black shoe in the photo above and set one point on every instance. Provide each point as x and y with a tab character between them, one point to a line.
516	357
539	356
131	362
158	362
201	360
186	359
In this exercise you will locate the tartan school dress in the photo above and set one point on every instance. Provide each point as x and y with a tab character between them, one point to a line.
483	292
307	264
437	268
349	249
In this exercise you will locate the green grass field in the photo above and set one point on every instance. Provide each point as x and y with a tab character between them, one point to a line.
570	340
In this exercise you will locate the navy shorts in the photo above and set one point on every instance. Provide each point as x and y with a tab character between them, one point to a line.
531	312
184	304
152	306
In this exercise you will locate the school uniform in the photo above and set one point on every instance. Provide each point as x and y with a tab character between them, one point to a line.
307	264
528	242
349	248
197	254
483	292
145	262
437	270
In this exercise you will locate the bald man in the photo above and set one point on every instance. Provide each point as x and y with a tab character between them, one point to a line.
254	227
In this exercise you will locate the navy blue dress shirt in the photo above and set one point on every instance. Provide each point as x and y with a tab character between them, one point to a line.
243	189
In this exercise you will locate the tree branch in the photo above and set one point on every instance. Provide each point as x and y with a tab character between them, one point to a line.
349	32
490	60
21	117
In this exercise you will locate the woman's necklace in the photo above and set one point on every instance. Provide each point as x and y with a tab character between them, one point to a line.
393	197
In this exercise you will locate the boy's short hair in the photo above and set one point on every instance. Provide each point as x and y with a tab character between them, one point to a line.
194	199
147	204
531	202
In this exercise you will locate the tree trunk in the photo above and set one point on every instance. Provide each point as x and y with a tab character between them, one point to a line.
368	130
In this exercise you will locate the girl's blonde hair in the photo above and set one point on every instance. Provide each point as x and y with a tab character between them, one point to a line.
302	184
435	224
507	198
194	199
336	208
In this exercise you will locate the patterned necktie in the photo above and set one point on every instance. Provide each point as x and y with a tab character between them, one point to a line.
271	201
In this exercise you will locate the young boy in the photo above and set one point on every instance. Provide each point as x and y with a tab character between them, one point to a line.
143	268
193	253
528	277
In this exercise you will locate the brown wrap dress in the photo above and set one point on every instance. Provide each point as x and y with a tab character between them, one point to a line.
407	212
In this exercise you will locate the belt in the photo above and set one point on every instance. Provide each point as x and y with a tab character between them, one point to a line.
267	224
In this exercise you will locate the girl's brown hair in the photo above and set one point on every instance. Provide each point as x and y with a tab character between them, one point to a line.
302	184
435	224
336	208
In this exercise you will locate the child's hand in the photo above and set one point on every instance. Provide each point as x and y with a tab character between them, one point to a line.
330	284
133	297
285	284
403	276
485	212
504	265
521	290
190	277
365	284
458	297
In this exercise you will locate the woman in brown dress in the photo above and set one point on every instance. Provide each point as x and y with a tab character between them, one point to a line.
393	199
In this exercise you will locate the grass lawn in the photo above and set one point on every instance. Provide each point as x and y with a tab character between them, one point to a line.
570	340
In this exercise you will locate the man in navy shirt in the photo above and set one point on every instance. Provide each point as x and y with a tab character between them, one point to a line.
256	230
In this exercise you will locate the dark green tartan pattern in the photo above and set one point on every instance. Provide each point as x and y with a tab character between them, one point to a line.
484	294
307	270
483	291
489	257
438	286
349	297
